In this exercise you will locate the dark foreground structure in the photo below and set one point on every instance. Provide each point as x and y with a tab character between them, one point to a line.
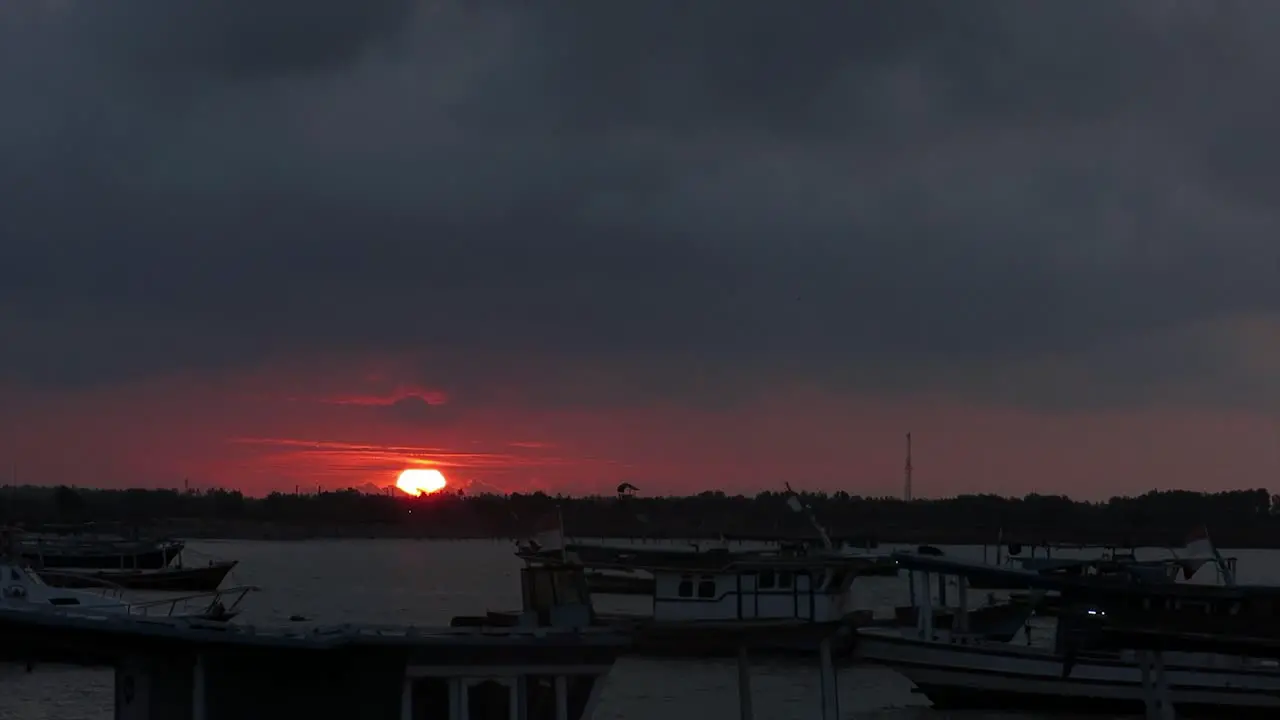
176	670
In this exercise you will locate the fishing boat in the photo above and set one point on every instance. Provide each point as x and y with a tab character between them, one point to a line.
1047	558
703	600
708	604
95	547
956	670
188	578
85	556
613	569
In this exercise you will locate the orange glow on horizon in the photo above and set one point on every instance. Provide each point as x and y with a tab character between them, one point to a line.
418	481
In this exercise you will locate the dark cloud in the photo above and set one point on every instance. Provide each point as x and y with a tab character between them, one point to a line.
418	411
714	195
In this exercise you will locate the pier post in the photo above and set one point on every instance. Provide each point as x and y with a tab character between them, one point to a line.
1148	687
1164	701
151	687
924	617
562	697
198	703
745	711
830	691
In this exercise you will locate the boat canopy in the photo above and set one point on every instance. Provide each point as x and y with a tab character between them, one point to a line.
1084	586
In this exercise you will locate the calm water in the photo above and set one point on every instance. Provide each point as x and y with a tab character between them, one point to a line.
427	583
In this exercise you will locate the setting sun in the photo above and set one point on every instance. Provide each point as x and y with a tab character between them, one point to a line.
421	482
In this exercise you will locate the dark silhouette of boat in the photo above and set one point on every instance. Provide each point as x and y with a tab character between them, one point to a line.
91	555
169	579
92	546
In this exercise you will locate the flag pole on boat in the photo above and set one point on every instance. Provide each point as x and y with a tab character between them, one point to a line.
798	506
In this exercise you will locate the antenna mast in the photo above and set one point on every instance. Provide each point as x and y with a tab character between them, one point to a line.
906	489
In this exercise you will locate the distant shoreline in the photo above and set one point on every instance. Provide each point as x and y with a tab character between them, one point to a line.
1234	518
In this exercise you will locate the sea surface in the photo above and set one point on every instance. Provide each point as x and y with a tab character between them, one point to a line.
428	582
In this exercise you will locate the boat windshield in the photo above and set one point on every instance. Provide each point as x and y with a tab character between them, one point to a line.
14	574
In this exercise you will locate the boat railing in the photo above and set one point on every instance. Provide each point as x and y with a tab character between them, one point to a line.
97	545
229	598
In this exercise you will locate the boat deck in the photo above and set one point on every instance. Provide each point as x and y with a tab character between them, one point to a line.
299	635
169	669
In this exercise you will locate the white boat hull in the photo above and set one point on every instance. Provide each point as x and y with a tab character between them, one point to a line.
1006	676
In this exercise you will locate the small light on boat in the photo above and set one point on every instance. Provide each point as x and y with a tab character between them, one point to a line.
1097	612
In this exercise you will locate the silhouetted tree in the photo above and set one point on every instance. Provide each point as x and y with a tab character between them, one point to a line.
68	504
1238	518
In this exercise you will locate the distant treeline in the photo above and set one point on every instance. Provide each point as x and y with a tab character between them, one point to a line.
1238	519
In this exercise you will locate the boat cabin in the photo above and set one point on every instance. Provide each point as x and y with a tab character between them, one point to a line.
761	588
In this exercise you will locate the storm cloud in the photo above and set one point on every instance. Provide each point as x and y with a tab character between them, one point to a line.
1041	202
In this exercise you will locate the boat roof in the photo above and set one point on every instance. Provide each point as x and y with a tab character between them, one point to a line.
301	636
736	563
1086	586
1128	638
1049	564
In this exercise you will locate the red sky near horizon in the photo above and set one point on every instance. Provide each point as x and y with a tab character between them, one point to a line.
278	427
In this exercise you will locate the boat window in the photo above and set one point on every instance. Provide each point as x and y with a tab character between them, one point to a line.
539	697
707	587
685	588
768	580
785	580
489	699
568	588
431	698
64	601
13	574
542	592
540	700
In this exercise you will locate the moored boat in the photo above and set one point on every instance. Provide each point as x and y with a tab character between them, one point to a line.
91	547
88	556
22	588
704	604
198	578
958	671
1111	560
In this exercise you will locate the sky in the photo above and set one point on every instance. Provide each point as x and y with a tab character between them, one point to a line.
711	246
